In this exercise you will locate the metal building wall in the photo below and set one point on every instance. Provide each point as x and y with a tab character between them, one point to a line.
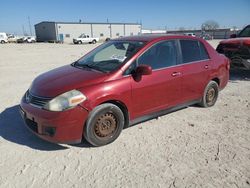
101	30
132	29
45	31
117	30
66	31
74	30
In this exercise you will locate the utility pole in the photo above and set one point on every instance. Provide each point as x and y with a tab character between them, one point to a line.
31	34
23	30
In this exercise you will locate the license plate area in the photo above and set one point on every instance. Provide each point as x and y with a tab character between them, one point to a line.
29	122
23	114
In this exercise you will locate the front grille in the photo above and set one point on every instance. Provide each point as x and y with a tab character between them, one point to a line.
35	100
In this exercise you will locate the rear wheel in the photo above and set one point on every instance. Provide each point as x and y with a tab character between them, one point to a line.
104	124
210	95
2	41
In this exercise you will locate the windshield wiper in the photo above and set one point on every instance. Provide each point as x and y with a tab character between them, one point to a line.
88	66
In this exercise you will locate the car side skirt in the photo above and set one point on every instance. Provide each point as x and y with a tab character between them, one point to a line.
162	112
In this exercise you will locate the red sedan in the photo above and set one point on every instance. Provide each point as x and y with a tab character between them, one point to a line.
120	83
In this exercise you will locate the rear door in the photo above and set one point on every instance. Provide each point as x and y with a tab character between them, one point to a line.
162	88
196	68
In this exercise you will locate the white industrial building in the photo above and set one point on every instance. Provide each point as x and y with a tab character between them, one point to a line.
66	31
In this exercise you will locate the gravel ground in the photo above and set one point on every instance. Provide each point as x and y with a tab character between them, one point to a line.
193	147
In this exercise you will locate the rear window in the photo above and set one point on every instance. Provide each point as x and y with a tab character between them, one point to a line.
193	50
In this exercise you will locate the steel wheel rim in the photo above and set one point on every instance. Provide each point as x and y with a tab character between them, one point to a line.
106	125
210	96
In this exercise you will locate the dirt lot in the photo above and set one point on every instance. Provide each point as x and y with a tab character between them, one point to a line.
193	147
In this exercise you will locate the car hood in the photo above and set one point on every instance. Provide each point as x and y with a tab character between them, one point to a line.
63	79
237	41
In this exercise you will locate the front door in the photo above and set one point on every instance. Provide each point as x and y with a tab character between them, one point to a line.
162	88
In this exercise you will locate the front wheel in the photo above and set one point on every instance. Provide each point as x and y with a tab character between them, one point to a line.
94	41
210	95
104	124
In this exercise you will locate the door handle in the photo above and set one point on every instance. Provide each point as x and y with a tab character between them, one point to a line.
176	74
206	66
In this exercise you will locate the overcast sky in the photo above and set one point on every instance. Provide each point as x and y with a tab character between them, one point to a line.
156	14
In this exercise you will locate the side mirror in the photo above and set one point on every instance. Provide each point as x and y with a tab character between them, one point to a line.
233	36
143	70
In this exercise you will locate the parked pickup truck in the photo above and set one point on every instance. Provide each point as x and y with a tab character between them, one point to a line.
237	48
3	38
85	39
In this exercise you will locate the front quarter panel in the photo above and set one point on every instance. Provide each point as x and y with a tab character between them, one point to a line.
115	90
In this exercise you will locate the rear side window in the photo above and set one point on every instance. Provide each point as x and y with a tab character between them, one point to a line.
203	51
160	55
193	50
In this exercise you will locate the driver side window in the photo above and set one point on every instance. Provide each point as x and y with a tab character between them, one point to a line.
160	55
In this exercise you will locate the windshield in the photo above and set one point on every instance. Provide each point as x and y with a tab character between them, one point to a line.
245	32
109	56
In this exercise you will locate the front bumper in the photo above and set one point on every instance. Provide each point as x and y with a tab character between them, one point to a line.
58	127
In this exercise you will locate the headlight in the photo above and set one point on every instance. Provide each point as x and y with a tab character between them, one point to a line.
65	101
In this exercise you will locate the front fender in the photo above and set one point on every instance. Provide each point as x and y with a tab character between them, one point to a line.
116	90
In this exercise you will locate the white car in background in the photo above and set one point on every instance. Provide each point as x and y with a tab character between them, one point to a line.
83	38
3	38
26	39
190	34
31	39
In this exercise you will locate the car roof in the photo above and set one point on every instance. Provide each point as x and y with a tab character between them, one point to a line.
152	37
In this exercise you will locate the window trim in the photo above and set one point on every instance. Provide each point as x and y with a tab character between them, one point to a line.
179	61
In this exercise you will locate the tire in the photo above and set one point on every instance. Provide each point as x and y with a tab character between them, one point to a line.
94	41
210	95
79	42
2	41
104	124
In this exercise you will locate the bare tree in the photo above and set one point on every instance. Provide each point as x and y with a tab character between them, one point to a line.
210	25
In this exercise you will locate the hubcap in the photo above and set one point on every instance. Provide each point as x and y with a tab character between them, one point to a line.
105	125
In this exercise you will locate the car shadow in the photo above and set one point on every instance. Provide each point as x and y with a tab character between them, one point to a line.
13	129
83	144
239	74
